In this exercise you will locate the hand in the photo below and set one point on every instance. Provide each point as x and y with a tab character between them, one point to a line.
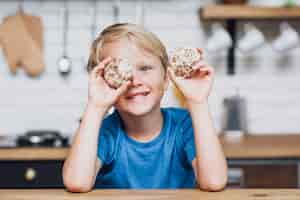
196	88
101	95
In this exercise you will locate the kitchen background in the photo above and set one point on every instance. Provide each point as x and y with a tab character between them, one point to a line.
268	80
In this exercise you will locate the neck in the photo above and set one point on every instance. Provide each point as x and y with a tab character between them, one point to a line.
143	128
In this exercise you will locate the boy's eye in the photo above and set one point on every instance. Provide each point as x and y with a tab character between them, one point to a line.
145	68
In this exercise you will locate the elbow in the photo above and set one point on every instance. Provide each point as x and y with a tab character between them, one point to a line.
214	185
76	186
73	184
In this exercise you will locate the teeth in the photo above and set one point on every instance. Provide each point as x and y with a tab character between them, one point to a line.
138	94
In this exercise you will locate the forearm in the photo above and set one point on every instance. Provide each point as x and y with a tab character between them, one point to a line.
80	165
211	166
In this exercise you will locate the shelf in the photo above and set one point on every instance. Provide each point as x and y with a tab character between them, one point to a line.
225	12
233	13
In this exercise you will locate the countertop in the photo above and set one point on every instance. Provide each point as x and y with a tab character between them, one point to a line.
191	194
246	147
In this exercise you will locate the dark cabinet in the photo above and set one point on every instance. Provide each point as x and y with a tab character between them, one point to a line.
263	176
31	174
48	174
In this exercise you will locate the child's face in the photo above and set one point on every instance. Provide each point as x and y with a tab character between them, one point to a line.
149	78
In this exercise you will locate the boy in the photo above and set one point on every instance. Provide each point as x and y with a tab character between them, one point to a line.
141	145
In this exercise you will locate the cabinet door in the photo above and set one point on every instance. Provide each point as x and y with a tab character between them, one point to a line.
271	176
263	176
31	174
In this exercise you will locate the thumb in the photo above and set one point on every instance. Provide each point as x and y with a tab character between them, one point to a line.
171	74
123	88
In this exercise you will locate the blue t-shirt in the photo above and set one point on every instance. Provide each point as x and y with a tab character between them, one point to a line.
164	162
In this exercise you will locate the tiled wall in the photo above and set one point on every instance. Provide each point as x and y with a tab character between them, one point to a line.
270	81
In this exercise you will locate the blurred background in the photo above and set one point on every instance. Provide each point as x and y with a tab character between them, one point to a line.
252	45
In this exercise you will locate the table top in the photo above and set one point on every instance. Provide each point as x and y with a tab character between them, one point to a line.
190	194
268	146
245	147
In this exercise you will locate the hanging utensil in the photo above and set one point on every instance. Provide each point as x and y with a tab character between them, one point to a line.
21	6
116	10
65	63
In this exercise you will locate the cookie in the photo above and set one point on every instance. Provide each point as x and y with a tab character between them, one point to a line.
117	72
182	60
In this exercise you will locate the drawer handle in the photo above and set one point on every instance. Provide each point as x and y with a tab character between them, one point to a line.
30	174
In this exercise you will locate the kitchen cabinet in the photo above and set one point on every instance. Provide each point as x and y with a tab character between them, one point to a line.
31	174
263	176
255	161
32	167
263	161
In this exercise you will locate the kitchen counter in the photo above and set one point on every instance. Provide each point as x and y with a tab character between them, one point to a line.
246	147
33	153
262	146
254	162
243	194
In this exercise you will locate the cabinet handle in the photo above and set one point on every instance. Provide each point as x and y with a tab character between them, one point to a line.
30	174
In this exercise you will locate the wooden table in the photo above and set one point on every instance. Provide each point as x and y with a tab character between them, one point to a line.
233	194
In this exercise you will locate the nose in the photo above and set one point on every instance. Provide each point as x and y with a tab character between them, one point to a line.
136	78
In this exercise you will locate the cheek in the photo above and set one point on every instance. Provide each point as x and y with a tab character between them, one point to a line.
158	86
156	80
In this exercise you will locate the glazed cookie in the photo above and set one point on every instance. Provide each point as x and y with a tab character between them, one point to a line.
182	60
117	72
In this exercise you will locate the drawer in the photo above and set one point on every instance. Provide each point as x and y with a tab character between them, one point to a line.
31	174
263	175
271	176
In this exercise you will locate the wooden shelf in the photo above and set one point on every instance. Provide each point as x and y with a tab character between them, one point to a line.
233	13
225	12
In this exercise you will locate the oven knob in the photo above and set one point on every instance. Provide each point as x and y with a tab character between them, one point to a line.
30	174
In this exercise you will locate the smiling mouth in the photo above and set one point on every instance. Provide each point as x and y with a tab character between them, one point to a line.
133	95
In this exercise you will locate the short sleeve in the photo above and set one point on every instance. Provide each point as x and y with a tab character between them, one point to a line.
188	138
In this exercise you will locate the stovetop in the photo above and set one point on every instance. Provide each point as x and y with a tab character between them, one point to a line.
35	138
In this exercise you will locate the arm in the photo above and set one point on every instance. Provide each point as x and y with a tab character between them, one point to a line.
210	165
82	164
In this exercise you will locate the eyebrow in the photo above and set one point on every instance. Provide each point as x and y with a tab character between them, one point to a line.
145	63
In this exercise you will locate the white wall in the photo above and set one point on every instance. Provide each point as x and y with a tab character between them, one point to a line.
269	81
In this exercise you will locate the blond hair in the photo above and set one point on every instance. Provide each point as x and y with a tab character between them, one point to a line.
143	38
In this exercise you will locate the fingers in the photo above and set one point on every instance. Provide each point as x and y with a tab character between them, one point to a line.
173	77
123	88
207	72
98	70
207	69
171	74
200	50
198	65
